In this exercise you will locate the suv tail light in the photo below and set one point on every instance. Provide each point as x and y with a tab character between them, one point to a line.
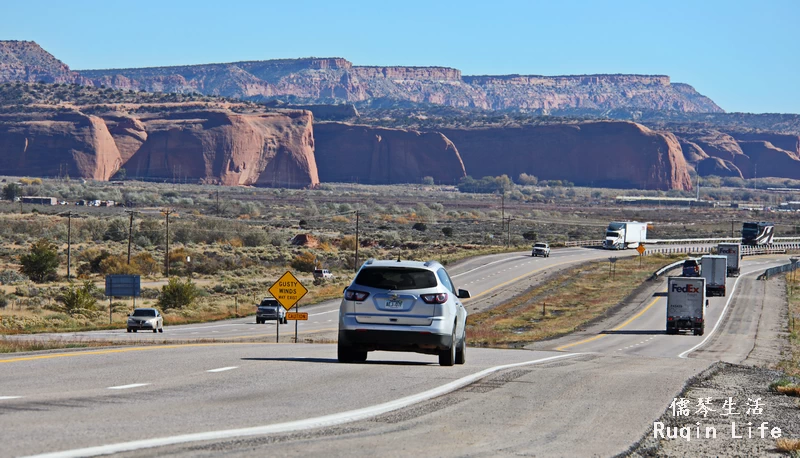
439	298
353	295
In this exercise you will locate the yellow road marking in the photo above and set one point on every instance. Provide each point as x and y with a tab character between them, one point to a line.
120	350
627	322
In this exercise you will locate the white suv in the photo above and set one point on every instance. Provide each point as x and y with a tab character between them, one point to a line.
403	306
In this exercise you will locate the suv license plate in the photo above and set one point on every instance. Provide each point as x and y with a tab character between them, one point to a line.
394	304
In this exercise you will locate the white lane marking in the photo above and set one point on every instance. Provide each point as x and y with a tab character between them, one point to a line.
207	327
721	315
223	369
298	425
3	398
323	313
125	387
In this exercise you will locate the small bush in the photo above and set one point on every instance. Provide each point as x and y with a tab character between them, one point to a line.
80	301
177	294
422	227
447	231
304	262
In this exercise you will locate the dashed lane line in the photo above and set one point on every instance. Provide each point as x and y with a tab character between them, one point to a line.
3	398
127	387
223	369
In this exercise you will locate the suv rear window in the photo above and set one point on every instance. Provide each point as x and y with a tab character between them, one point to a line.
396	278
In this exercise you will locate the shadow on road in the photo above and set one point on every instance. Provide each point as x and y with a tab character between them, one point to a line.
335	361
635	332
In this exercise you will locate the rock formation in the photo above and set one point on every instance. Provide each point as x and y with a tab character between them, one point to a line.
57	144
768	161
613	154
364	154
717	167
215	146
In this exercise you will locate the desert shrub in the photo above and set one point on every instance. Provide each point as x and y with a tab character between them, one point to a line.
117	230
526	179
3	301
255	238
348	242
151	232
428	180
422	227
9	277
79	301
118	265
90	259
146	264
529	235
447	231
177	294
304	262
41	262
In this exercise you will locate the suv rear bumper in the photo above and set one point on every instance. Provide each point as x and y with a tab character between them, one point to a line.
394	340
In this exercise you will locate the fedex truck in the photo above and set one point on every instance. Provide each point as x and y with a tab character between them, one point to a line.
714	268
686	304
625	234
732	251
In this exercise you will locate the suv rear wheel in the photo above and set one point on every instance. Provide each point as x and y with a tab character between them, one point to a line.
447	357
347	354
461	351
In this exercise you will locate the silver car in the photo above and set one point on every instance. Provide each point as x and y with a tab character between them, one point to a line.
145	319
403	306
270	310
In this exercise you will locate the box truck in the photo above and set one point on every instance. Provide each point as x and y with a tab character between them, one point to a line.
686	304
732	251
628	234
714	268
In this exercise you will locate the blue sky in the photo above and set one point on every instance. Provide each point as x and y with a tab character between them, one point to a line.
745	55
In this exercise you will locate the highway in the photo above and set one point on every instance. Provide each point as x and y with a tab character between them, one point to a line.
579	395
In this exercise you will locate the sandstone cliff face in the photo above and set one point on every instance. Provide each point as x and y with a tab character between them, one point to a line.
337	80
270	149
717	167
27	61
364	154
52	144
768	161
786	142
614	154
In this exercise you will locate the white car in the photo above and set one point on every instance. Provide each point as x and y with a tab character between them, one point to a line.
145	319
541	249
407	306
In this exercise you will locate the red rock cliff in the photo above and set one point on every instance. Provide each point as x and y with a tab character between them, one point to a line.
53	144
364	154
270	149
615	154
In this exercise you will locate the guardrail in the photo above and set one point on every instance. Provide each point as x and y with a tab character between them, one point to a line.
584	243
681	250
776	270
665	269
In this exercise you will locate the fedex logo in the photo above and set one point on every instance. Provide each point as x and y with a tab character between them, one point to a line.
691	289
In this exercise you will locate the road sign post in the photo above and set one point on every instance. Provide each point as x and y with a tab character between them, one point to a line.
288	291
640	249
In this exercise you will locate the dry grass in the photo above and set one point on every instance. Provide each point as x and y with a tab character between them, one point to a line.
791	362
789	390
15	346
787	445
561	305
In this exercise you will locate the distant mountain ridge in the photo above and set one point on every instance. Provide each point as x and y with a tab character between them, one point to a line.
336	80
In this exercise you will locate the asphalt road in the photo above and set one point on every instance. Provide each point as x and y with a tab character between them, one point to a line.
590	394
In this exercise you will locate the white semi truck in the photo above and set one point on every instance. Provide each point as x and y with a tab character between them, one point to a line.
714	268
686	304
732	251
625	234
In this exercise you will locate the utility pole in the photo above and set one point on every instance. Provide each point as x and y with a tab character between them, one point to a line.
355	267
69	242
130	232
166	213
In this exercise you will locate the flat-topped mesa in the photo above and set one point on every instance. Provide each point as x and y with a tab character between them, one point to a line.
410	73
568	80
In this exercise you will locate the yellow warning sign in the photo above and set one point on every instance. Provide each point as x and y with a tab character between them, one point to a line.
640	248
297	316
287	290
